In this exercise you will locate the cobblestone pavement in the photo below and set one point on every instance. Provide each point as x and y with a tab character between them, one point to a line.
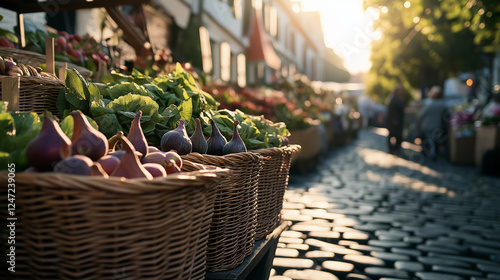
365	214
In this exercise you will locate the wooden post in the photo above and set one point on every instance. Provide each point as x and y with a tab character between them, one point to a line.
20	24
10	92
49	54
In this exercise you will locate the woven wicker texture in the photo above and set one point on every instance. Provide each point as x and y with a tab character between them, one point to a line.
76	227
273	181
35	59
37	94
232	231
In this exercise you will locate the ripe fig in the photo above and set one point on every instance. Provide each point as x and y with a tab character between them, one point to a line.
87	140
43	151
75	165
163	158
152	149
130	166
156	169
216	141
136	136
172	167
109	163
177	140
236	145
198	139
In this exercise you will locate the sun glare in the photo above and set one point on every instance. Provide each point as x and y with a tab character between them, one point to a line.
348	29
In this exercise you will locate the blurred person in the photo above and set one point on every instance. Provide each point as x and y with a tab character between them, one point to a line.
395	119
365	108
432	124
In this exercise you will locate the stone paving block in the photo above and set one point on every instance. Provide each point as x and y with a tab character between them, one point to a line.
386	272
437	276
309	274
358	236
433	249
292	234
289	240
363	260
388	243
280	277
493	276
300	247
405	251
447	245
409	266
372	227
318	254
340	269
346	243
293	263
390	257
472	260
324	234
356	276
489	268
366	248
456	270
287	252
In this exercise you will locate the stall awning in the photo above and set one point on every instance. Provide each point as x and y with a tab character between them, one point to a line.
259	48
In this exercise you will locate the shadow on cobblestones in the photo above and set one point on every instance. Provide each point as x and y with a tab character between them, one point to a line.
366	214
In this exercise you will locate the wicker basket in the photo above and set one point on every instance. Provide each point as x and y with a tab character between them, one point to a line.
273	181
76	227
37	94
35	59
232	231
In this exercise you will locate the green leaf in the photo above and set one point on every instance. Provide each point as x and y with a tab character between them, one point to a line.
125	88
108	124
186	110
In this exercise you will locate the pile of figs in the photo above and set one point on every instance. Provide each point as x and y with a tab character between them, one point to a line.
178	140
88	152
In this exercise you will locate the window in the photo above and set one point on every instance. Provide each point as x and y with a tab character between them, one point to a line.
235	6
273	21
225	61
241	66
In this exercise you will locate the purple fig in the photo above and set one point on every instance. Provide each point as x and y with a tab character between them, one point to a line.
236	145
163	158
109	163
156	169
75	165
177	140
87	140
43	151
130	166
136	136
152	149
216	141
198	139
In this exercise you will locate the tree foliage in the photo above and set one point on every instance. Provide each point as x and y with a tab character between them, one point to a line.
425	42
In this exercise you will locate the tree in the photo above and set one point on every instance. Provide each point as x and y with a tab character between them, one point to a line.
421	45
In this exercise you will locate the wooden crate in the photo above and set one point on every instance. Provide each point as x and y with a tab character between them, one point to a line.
487	137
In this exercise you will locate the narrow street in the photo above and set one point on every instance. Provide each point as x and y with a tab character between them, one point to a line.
366	214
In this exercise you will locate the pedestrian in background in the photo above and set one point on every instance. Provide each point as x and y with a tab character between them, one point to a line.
395	119
432	123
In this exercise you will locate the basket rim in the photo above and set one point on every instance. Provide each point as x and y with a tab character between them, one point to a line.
120	184
38	80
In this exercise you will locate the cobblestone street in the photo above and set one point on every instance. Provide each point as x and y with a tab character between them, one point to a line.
366	214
